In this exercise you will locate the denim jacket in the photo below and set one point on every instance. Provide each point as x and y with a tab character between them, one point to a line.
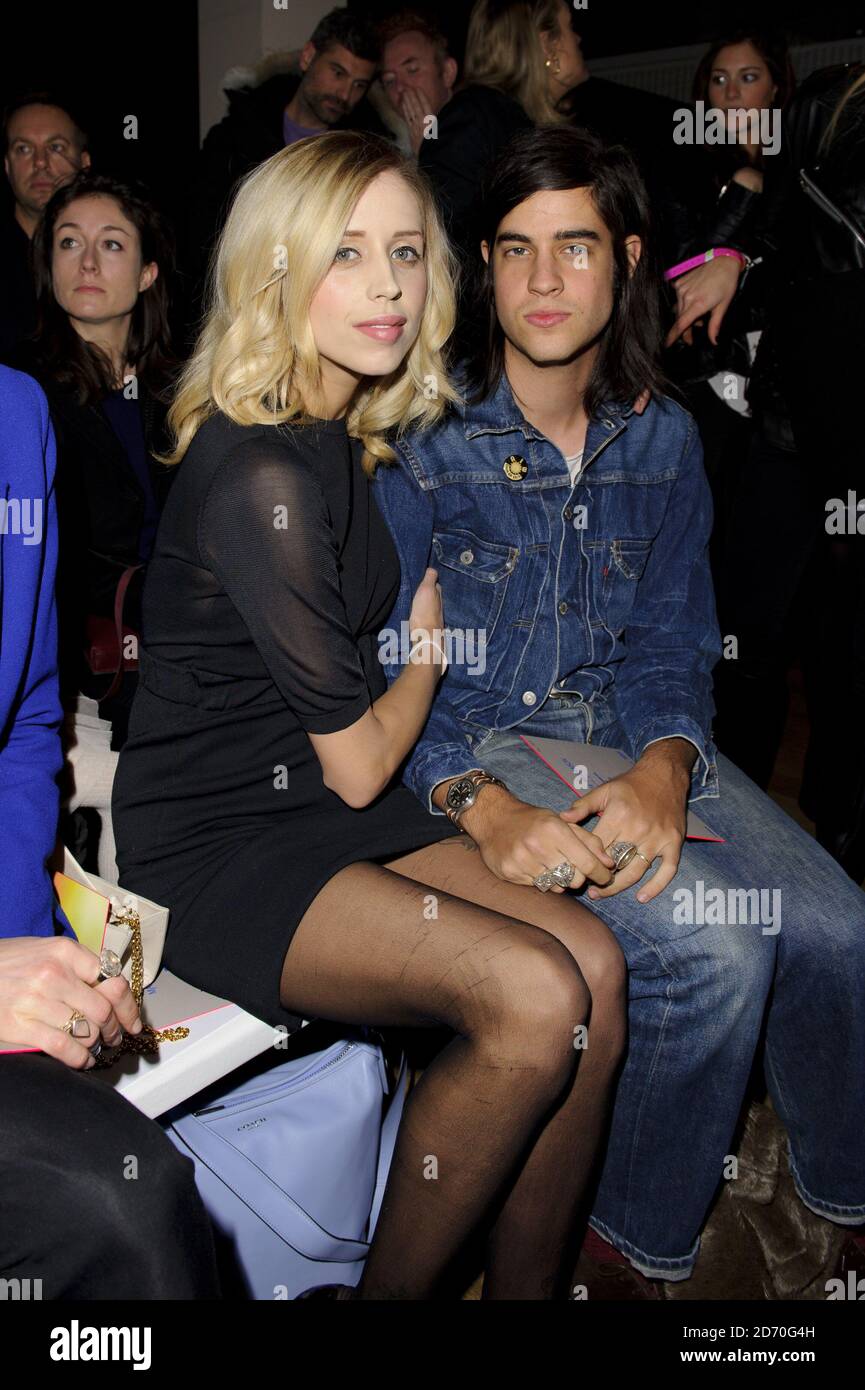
602	588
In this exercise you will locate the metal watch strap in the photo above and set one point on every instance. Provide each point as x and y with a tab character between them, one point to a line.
480	779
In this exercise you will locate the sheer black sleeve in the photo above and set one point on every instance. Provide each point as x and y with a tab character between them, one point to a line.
265	533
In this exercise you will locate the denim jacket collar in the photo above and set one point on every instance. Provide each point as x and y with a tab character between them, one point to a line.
500	414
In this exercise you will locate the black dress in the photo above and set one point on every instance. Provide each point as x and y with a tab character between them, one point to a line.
272	572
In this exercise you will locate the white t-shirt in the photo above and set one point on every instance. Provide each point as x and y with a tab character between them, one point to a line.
575	463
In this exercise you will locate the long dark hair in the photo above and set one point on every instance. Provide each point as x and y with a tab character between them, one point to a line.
772	48
557	158
60	353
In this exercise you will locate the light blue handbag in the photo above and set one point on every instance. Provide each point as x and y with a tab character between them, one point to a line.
292	1166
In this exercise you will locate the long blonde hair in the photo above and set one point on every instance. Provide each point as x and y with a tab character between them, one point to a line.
503	50
256	358
847	95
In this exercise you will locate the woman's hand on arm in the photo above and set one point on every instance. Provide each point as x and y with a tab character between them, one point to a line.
358	762
42	980
709	289
266	534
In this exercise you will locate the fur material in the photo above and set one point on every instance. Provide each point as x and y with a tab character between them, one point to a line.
284	63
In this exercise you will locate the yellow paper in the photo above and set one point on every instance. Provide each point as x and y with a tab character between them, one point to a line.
86	910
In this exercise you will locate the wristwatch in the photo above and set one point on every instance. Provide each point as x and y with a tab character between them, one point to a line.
464	793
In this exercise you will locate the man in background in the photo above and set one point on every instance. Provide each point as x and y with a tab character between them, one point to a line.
44	148
417	71
336	66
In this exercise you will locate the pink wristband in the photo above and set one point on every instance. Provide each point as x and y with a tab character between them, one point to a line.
684	266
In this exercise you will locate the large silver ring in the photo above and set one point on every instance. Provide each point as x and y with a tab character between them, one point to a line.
623	852
110	965
544	881
563	874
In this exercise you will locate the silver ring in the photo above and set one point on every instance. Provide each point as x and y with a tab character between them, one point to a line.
544	881
110	965
623	852
563	874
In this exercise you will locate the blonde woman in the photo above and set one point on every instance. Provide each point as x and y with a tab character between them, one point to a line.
254	795
510	82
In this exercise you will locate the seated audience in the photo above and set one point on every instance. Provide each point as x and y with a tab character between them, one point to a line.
72	1224
255	793
741	72
571	530
796	505
101	352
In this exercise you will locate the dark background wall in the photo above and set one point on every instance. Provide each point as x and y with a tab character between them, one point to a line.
610	26
115	60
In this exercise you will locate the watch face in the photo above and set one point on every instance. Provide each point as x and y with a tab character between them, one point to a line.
459	793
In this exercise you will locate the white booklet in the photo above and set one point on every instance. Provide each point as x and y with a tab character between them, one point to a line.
584	766
222	1036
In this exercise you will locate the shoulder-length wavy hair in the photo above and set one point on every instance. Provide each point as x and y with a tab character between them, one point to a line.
556	159
256	354
503	50
61	355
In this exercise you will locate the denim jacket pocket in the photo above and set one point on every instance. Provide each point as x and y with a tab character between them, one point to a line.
624	563
475	576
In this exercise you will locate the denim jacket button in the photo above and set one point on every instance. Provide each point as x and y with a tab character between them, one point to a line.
563	608
466	557
569	511
608	425
529	697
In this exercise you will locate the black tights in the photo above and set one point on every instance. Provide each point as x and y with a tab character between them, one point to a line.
506	1122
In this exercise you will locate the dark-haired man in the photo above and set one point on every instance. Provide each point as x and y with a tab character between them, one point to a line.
336	66
570	532
44	148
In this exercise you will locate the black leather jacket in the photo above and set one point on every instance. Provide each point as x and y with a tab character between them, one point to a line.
728	217
806	252
792	221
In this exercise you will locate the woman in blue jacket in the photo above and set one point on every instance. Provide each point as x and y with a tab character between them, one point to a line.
65	1135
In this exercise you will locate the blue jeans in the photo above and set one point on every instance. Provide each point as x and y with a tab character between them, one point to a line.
698	995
